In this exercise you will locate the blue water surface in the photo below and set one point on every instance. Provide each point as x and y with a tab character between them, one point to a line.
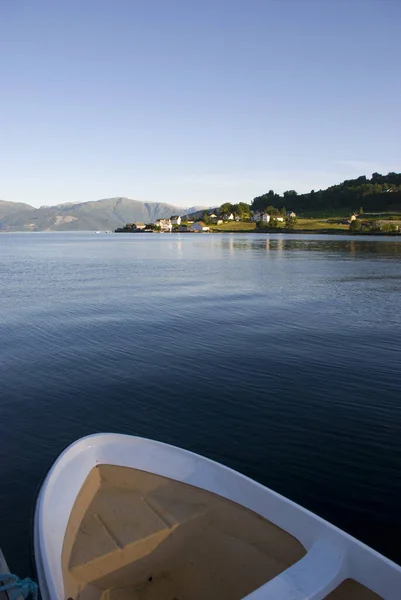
276	355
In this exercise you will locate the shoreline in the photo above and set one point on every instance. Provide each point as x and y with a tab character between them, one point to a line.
241	231
281	232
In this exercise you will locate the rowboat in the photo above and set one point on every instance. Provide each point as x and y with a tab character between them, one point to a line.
125	518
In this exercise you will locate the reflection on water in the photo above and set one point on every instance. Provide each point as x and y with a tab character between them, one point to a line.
290	243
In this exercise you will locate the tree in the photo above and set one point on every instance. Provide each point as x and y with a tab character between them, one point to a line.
380	193
355	225
226	208
206	217
375	226
389	227
290	222
261	202
272	224
361	210
243	210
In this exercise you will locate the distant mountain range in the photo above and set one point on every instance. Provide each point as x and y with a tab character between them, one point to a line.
103	215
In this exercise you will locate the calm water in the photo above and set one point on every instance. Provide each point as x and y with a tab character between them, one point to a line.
279	356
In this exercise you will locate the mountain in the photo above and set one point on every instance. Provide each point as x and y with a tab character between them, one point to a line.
196	212
107	214
8	208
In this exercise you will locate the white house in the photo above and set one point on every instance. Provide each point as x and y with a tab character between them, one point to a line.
164	224
265	218
213	216
198	227
290	213
256	217
175	220
228	217
279	219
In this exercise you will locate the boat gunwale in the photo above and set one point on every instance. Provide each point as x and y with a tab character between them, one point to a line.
379	573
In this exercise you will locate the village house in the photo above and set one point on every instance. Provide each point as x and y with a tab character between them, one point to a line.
199	227
228	217
164	224
175	220
291	214
182	228
266	217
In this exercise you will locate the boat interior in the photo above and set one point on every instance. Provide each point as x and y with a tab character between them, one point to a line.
134	535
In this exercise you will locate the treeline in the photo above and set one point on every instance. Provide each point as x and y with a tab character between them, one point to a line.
380	193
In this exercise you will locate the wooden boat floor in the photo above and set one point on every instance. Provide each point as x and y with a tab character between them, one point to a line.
133	535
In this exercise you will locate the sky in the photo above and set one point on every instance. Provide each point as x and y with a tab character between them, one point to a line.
195	102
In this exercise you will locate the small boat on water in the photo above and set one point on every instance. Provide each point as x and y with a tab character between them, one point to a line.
126	518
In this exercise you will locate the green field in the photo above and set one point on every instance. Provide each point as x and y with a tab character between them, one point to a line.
311	224
233	226
319	224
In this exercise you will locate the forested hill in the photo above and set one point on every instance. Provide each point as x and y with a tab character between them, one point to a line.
380	193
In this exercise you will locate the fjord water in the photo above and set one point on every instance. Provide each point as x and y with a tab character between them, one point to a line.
276	355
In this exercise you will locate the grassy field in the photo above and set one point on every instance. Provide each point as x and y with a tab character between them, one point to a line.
305	224
233	226
312	224
319	224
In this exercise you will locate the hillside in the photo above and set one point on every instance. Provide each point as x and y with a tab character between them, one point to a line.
107	214
8	208
381	193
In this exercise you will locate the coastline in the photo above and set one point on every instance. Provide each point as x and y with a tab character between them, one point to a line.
280	231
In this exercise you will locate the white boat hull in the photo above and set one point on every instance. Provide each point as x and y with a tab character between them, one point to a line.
332	556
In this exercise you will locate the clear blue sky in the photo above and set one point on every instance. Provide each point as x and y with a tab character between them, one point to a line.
195	101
